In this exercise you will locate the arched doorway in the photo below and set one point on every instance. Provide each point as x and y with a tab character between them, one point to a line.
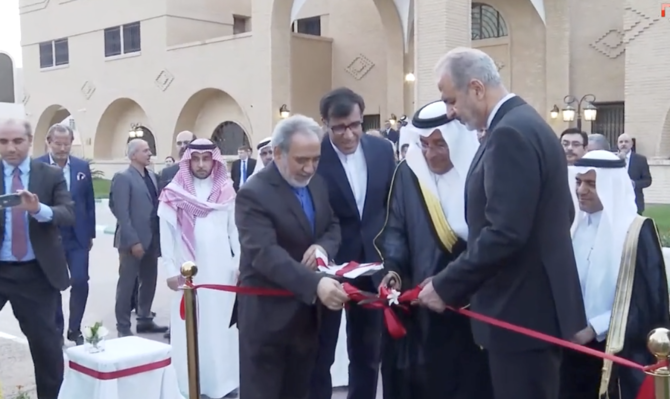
489	33
7	88
52	115
122	120
229	137
202	114
142	132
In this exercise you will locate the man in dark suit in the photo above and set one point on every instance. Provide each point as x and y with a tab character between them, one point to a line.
77	239
519	265
638	169
135	193
242	168
166	175
33	269
284	222
358	169
390	133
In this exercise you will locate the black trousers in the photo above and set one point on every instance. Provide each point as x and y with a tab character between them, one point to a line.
364	330
34	303
526	375
580	373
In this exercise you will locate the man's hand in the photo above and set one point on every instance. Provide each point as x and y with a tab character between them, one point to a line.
391	281
331	293
137	250
585	336
174	283
309	258
429	298
29	202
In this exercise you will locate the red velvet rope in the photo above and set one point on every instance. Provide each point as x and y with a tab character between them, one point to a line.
397	330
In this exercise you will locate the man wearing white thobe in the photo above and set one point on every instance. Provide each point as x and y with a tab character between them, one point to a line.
194	209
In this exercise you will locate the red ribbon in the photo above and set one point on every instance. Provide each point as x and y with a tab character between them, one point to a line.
113	375
397	330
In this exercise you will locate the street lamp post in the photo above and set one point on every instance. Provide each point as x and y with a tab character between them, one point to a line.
584	104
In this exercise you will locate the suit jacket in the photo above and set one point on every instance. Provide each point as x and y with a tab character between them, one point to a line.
519	265
358	232
392	135
83	196
236	171
134	210
48	183
274	235
166	175
638	170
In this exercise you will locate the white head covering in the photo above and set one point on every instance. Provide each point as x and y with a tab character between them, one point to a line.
263	144
463	144
617	196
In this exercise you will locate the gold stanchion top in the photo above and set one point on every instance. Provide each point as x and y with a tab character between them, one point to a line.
658	343
189	270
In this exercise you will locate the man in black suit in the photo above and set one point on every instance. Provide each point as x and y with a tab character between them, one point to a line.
33	270
242	168
390	133
358	169
519	265
284	222
638	169
166	175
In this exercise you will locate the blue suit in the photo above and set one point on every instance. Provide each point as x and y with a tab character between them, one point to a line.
358	233
77	239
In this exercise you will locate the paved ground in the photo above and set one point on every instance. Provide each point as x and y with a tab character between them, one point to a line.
15	363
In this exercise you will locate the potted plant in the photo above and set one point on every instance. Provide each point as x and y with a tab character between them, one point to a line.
94	337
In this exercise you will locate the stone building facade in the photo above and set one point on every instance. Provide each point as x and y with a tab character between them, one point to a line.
224	69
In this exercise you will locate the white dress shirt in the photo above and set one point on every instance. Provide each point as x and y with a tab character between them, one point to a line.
357	173
495	109
583	243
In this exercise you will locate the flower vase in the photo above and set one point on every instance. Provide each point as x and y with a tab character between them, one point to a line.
96	345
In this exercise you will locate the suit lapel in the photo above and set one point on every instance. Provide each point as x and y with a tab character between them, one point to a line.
73	176
338	172
138	175
321	215
35	177
371	169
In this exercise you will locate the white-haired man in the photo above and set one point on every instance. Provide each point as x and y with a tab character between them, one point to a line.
623	281
425	230
638	169
135	201
284	218
518	266
194	209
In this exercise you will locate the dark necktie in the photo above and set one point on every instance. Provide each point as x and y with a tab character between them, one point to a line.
244	171
19	235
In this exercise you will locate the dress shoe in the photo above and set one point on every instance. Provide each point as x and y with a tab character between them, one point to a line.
76	337
149	327
125	333
153	314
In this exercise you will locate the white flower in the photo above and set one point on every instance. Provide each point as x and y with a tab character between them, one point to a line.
87	333
102	332
393	297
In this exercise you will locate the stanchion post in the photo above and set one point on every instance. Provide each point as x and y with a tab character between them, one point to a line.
658	343
188	271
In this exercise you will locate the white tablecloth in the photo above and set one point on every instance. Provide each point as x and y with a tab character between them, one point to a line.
120	354
339	372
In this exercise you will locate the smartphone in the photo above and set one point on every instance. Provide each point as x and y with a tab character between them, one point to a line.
9	200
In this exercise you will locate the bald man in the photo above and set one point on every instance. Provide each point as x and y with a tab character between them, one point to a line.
182	141
638	169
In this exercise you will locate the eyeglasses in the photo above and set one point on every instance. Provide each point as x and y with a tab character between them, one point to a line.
573	144
439	146
341	129
183	143
266	152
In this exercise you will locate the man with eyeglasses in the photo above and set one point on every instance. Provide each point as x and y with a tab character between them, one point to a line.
575	143
359	169
77	240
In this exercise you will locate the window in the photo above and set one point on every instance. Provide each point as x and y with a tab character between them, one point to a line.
487	23
125	39
308	26
610	121
240	24
54	53
371	122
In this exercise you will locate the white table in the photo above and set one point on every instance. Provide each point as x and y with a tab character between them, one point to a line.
129	368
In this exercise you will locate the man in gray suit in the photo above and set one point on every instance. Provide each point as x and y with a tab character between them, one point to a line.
135	194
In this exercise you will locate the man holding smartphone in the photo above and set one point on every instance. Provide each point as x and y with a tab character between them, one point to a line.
33	269
77	239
